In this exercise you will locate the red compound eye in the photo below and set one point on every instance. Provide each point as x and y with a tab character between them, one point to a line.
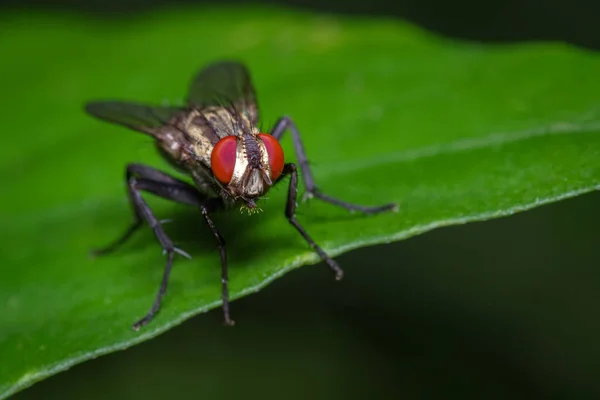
222	159
275	155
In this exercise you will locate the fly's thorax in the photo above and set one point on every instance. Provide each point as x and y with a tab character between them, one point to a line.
201	135
172	146
203	180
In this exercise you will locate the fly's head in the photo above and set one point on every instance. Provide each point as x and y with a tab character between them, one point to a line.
247	166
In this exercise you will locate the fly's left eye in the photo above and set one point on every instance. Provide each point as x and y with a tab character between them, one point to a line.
222	159
275	153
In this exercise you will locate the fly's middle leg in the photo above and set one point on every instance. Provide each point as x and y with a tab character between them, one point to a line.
141	178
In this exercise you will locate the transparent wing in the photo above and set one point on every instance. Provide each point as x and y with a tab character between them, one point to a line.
135	116
227	84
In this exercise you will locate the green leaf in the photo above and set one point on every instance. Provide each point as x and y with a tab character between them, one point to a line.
453	132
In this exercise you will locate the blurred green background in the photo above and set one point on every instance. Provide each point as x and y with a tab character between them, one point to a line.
505	308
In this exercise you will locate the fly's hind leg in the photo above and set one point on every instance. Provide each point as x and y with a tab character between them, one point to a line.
311	188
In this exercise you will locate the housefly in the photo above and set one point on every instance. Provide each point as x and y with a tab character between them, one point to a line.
216	141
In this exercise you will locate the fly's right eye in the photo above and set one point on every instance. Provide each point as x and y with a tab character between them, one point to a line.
222	159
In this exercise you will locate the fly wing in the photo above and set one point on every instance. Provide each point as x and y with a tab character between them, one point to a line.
138	117
226	84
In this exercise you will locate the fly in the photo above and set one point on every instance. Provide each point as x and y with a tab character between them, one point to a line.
216	141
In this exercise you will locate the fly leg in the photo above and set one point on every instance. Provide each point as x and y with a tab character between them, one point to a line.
143	178
210	206
144	173
290	213
311	188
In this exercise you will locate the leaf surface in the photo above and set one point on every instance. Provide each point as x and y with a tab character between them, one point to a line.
454	132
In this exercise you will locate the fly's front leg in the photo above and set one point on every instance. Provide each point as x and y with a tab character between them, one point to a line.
143	178
290	213
311	188
209	207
